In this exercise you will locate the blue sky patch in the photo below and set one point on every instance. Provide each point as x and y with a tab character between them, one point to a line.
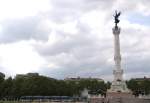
139	19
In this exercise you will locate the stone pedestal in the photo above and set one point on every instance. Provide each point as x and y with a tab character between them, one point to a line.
119	86
119	95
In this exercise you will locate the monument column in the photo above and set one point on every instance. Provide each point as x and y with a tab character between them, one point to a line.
118	72
118	84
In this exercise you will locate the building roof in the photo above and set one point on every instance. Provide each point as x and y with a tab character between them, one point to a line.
83	78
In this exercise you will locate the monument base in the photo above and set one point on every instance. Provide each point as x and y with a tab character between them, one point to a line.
119	95
118	90
119	86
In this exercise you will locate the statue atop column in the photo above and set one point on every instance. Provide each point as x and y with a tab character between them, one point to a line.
116	18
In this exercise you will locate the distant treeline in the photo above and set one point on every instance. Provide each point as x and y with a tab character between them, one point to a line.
33	84
139	86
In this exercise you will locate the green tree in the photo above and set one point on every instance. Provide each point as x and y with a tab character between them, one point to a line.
7	88
2	78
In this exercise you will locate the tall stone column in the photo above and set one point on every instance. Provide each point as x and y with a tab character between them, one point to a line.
118	84
118	72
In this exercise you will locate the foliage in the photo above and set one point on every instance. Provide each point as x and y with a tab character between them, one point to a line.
32	84
141	86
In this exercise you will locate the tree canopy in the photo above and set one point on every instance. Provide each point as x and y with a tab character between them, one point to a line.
33	84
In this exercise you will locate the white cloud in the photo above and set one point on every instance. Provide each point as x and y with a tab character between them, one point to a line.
22	8
72	38
19	58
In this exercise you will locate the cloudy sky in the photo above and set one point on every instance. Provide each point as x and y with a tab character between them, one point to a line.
70	38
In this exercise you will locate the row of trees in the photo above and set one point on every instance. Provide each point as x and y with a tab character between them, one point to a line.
33	84
139	86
